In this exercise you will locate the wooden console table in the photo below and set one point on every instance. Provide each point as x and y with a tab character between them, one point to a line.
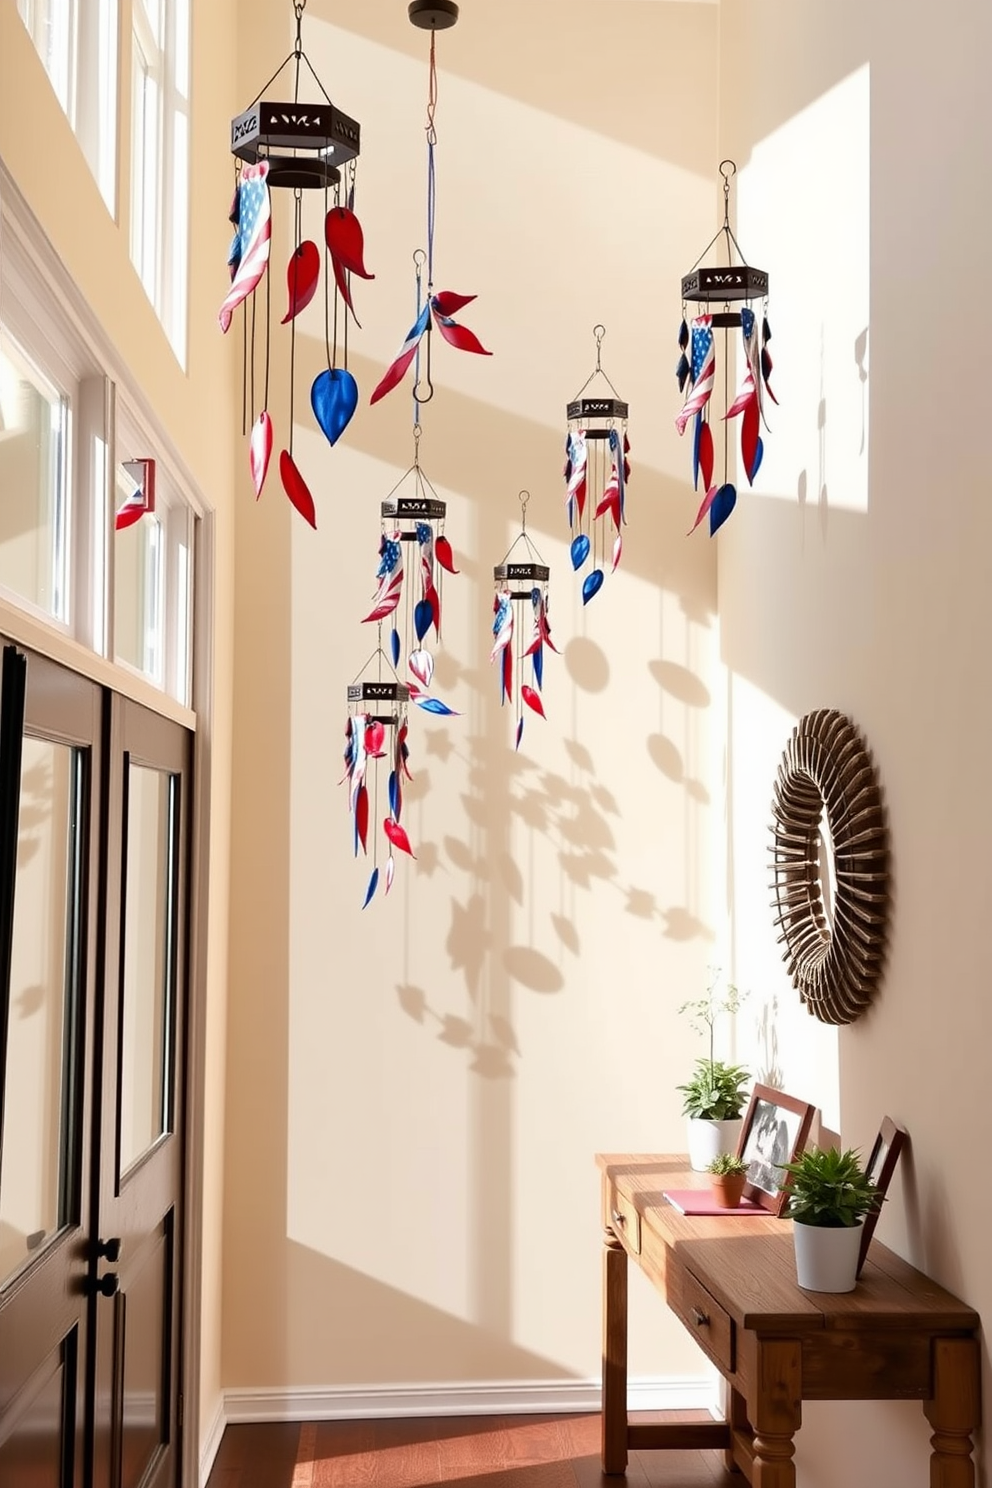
732	1281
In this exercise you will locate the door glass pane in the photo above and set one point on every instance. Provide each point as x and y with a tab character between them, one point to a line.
146	998
33	437
34	1163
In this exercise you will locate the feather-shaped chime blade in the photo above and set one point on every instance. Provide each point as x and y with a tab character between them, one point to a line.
435	705
397	836
507	673
442	550
395	371
259	451
361	818
395	646
302	274
749	439
706	454
520	733
579	550
421	664
766	330
703	370
296	488
533	700
766	372
346	241
683	334
390	870
617	552
373	885
682	372
722	505
394	794
592	585
704	507
537	660
423	618
458	336
375	737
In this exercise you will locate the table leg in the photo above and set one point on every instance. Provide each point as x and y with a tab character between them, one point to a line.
954	1411
775	1409
614	1354
737	1421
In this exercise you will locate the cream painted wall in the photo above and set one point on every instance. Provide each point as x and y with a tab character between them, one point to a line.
197	408
414	1090
858	576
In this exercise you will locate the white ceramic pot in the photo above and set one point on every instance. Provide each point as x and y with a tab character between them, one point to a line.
708	1139
827	1259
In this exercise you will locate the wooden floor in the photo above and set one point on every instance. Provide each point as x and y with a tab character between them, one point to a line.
472	1451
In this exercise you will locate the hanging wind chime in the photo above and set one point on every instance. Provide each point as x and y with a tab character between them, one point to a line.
375	739
409	596
696	370
596	474
434	311
524	585
303	148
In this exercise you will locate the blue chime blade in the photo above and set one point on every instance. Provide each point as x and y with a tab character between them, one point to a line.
435	705
333	398
722	505
696	435
373	885
394	795
520	732
579	550
423	618
592	585
759	451
538	659
394	643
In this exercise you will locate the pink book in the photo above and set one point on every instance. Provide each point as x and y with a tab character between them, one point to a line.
704	1201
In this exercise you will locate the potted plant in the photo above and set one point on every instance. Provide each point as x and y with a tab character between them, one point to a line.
728	1174
829	1195
715	1097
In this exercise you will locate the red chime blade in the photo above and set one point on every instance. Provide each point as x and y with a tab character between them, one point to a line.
302	274
296	488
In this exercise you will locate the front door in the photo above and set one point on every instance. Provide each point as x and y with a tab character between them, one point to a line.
50	783
138	1313
94	804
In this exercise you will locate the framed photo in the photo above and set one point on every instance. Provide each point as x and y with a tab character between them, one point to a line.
880	1166
774	1133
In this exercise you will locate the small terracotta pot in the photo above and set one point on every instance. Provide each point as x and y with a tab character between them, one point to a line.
728	1188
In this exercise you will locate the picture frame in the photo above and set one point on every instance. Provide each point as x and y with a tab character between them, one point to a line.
775	1130
879	1168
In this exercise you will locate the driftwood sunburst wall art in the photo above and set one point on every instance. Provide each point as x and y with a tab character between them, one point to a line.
834	944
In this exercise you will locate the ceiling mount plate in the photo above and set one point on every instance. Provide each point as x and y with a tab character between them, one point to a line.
433	15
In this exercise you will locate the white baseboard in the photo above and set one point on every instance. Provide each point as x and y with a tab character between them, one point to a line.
210	1445
517	1398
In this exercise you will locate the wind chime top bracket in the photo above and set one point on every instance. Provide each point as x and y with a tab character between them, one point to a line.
583	409
379	693
321	137
724	283
424	507
433	15
531	573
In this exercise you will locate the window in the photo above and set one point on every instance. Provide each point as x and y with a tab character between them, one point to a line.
77	43
34	465
160	158
153	575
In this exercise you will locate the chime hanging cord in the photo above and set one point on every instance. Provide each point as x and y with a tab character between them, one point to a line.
297	231
431	180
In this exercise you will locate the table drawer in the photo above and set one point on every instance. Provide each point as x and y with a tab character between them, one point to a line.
624	1220
709	1324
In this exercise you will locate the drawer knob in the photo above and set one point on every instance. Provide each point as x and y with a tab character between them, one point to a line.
619	1218
699	1318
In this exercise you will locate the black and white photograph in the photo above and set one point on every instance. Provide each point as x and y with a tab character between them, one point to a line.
774	1133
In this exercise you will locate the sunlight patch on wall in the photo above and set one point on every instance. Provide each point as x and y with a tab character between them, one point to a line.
804	215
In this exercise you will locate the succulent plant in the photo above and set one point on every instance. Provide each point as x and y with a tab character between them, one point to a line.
716	1092
829	1188
727	1164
